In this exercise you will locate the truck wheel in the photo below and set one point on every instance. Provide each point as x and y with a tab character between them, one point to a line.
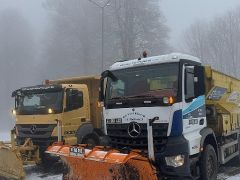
66	173
209	165
90	140
239	147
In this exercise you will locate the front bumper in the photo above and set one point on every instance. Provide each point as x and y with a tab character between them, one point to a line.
175	146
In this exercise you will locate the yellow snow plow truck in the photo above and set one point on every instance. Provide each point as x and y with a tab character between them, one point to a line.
71	102
166	116
11	166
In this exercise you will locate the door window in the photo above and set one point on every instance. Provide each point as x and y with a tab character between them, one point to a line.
74	99
189	84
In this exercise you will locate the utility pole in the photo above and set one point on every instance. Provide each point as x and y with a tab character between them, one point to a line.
102	6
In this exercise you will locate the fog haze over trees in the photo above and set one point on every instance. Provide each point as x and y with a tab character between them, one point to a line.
70	44
216	42
74	38
73	41
17	56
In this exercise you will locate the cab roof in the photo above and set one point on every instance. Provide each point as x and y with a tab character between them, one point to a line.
37	89
173	57
74	80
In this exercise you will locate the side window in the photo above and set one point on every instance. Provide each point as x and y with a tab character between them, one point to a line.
74	99
189	84
117	89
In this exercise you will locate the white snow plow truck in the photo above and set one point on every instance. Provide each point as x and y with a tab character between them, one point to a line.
166	116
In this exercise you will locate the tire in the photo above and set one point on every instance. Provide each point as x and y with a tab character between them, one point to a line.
239	147
208	163
66	173
91	141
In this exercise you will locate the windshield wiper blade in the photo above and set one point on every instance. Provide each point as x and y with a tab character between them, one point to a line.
142	96
118	97
40	107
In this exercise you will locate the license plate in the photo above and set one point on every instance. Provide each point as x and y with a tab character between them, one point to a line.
77	151
114	121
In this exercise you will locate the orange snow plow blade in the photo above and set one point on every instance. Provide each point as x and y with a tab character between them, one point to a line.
98	163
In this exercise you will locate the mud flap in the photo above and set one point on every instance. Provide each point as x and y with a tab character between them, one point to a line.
101	164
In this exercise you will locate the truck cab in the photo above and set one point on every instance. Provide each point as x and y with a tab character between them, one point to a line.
169	89
38	109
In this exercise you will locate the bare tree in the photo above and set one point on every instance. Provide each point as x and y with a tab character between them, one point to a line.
195	39
141	25
217	42
74	39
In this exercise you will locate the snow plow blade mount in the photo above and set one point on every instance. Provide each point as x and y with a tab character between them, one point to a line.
11	166
86	164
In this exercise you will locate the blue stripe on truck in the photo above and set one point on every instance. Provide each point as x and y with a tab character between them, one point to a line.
200	101
177	123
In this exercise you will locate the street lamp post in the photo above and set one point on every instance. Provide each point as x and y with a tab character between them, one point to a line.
102	6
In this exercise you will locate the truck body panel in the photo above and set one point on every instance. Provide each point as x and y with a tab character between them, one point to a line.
92	83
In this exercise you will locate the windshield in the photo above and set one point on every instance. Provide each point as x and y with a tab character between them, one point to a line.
156	81
39	103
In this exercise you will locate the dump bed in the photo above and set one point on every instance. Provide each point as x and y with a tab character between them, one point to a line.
223	100
92	83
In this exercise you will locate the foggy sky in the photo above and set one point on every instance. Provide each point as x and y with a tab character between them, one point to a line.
179	13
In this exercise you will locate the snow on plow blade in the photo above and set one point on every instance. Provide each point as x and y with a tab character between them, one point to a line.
86	164
11	166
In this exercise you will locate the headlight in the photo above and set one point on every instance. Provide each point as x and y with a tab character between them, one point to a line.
175	161
168	100
14	112
50	111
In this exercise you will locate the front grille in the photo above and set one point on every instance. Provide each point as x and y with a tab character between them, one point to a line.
120	138
41	130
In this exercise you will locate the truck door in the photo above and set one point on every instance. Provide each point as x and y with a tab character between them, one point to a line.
75	111
194	113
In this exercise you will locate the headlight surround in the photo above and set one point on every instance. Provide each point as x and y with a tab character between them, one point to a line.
175	161
50	111
14	112
168	100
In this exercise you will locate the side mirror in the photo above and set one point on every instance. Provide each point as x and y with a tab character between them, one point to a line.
101	90
108	73
104	75
199	81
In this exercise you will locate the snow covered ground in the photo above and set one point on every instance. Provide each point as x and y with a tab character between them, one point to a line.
237	177
36	173
231	171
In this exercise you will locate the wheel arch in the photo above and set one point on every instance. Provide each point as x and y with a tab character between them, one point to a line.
208	137
84	130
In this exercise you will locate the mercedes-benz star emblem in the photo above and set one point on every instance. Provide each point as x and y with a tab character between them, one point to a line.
134	129
33	129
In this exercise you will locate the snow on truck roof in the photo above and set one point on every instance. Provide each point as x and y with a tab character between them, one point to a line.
173	57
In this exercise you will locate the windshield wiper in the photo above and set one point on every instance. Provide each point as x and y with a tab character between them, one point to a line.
142	96
163	89
39	107
118	97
